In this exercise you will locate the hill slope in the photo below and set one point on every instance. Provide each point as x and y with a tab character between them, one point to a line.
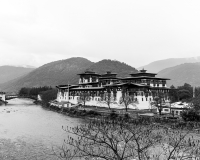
64	71
157	66
51	74
8	73
120	68
184	73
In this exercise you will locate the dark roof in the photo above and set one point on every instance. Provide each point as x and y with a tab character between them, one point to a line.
129	84
88	83
109	73
108	78
90	88
66	86
89	73
145	77
142	73
159	87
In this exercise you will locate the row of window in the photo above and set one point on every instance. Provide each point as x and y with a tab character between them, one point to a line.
92	98
98	99
145	99
175	112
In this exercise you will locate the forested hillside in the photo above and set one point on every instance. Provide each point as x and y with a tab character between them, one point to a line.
181	74
64	72
51	74
120	68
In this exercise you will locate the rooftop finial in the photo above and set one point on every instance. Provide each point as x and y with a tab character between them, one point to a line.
143	70
108	72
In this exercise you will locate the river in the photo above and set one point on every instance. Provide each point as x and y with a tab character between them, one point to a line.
29	132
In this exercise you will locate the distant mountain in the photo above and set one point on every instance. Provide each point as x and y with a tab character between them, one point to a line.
114	66
51	74
8	73
26	66
184	73
64	71
157	66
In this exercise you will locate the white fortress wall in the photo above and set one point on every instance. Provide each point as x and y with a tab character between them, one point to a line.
3	96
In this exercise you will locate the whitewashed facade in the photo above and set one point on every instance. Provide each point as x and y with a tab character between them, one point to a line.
141	85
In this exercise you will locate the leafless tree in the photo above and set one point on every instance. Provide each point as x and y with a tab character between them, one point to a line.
108	99
140	139
158	101
127	100
179	145
110	140
83	98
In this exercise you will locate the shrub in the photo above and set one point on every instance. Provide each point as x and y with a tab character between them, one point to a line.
113	115
190	115
93	113
126	116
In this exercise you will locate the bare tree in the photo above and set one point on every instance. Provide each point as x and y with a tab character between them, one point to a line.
110	140
127	100
140	139
179	145
83	98
108	99
158	101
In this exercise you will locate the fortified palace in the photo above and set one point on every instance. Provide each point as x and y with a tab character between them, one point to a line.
142	86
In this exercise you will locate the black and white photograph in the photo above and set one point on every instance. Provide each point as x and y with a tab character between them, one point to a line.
99	80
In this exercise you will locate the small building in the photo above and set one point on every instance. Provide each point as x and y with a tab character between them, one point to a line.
2	96
175	108
178	107
142	86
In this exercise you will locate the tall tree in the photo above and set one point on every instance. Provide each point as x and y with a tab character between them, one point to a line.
49	95
185	92
173	94
195	103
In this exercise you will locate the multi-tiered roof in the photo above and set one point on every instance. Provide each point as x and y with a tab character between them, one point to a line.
89	80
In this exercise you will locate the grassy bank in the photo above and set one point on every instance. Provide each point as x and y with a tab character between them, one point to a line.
89	112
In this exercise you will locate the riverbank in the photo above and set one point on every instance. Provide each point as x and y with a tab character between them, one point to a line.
89	112
72	112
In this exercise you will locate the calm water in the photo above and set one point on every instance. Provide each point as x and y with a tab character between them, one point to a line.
30	132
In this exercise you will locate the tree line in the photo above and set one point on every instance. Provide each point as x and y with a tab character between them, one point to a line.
47	93
184	93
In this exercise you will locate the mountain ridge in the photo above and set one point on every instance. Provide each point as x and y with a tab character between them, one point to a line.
65	71
159	65
183	73
8	72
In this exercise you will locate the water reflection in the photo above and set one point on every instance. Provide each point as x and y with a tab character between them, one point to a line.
27	131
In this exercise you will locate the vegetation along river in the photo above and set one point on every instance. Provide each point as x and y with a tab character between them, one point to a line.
29	132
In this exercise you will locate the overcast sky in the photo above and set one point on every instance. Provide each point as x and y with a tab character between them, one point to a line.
137	32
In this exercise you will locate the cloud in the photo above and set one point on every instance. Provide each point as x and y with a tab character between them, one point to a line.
136	32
